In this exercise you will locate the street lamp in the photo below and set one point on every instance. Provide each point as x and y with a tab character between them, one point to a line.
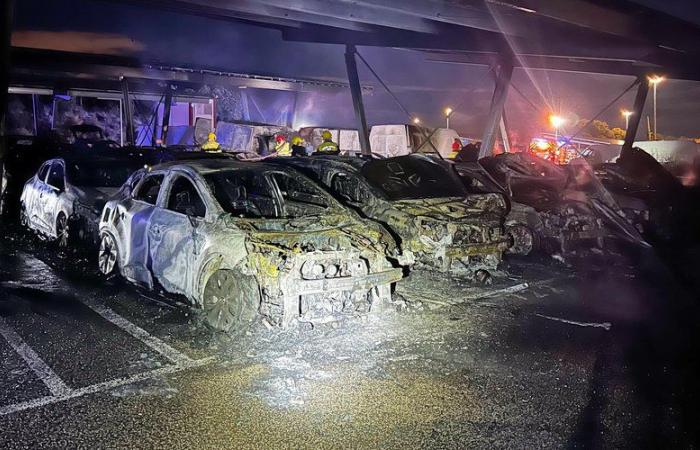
626	114
556	122
416	120
448	113
654	81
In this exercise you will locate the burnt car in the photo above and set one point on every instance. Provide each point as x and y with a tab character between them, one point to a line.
425	206
671	200
64	199
240	239
555	209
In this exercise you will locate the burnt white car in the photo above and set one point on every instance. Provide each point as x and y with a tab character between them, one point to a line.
64	199
241	239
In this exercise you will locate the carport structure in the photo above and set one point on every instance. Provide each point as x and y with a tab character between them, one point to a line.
588	36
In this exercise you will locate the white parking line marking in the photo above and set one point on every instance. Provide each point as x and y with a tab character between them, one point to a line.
139	333
52	381
101	387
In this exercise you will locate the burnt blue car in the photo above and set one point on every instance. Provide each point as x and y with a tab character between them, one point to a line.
241	239
424	204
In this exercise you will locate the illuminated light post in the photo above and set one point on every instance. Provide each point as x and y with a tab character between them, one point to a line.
626	114
448	113
556	122
654	81
416	120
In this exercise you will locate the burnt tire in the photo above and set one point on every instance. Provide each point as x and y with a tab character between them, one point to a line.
525	240
230	301
108	256
23	217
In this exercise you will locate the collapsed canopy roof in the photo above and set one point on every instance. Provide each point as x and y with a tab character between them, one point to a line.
605	36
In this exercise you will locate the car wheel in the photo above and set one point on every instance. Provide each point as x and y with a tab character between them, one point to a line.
23	217
230	300
524	240
107	256
62	232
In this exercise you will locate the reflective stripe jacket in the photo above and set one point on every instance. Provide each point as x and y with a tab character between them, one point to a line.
327	146
283	149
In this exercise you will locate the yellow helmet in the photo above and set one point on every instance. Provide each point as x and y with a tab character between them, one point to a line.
326	135
297	140
211	137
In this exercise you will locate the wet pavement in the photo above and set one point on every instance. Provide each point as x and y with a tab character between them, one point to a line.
601	353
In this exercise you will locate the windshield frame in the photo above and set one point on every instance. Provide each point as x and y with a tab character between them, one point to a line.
280	204
74	178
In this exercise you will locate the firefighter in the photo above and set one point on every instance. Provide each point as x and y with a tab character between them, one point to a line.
327	147
298	148
211	145
456	147
282	147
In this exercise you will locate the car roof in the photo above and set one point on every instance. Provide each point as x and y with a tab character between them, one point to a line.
351	163
204	166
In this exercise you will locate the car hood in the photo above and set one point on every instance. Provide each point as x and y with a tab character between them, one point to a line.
475	206
330	232
95	197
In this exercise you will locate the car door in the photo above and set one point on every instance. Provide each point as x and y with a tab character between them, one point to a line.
49	196
172	234
135	217
32	192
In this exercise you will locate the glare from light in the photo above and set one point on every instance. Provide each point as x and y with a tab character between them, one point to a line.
626	113
448	111
556	121
541	144
655	79
416	120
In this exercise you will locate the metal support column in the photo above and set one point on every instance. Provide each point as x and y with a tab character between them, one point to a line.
503	76
166	116
356	92
128	115
5	36
636	117
504	134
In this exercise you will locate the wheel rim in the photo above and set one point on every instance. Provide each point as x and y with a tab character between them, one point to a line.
23	219
107	258
218	313
230	300
523	240
62	231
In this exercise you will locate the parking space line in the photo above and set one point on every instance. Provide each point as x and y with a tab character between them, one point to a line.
101	387
139	333
52	381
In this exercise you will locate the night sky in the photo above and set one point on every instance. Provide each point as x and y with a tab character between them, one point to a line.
426	88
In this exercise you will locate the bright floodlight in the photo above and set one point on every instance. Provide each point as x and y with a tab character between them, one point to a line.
655	79
626	113
556	121
416	120
448	111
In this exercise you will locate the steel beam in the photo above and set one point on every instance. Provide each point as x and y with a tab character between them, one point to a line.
356	92
503	75
128	115
639	101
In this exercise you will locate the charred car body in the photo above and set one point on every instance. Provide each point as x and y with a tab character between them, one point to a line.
64	199
672	206
424	205
238	239
553	208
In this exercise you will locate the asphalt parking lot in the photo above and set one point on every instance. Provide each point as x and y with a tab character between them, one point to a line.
549	356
